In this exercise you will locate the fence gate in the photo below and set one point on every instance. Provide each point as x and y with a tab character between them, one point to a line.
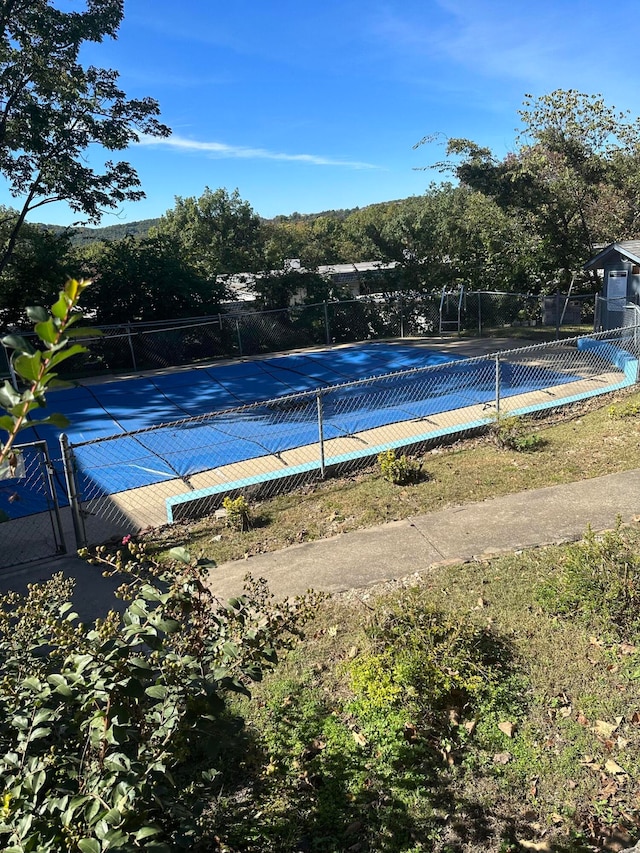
30	518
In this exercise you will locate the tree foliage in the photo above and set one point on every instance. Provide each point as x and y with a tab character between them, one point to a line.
53	110
147	279
572	178
218	233
38	266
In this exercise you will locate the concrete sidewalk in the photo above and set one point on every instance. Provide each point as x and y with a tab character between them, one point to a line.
364	557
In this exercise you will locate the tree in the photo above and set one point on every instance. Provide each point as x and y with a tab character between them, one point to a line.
573	176
218	233
38	266
147	280
53	110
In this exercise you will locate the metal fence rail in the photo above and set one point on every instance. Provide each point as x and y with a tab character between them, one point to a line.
165	473
134	347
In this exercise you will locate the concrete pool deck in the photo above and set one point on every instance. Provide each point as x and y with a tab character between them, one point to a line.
410	548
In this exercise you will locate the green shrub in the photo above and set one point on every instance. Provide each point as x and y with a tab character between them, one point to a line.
512	433
238	514
419	651
110	734
599	582
399	470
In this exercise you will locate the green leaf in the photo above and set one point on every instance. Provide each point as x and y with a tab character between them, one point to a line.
37	314
180	554
230	650
47	331
157	691
60	308
60	684
113	816
140	663
9	397
18	343
147	832
63	355
89	845
58	420
28	366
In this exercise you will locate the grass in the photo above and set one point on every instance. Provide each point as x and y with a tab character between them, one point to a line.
494	708
420	720
574	444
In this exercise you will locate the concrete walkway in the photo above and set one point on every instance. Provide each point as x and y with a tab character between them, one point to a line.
364	557
539	517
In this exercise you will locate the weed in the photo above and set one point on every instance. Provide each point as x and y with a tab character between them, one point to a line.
627	409
510	432
400	470
238	514
598	582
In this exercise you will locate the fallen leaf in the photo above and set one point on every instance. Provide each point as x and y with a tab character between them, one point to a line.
359	738
608	790
482	602
604	729
454	716
470	725
566	711
535	845
502	758
582	720
611	767
506	728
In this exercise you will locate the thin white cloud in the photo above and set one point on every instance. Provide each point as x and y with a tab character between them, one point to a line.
223	151
540	45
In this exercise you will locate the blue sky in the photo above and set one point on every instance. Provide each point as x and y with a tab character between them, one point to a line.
309	106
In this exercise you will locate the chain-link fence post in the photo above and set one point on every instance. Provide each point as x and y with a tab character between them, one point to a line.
239	334
72	492
497	384
58	531
133	353
480	314
401	305
320	433
327	327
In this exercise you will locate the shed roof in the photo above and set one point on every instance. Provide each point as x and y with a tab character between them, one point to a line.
629	249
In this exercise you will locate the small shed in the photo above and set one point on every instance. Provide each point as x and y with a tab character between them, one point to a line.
620	266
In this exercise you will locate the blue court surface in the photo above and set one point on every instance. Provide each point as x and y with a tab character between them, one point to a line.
179	451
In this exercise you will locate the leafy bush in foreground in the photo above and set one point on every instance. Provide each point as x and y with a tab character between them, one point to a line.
110	734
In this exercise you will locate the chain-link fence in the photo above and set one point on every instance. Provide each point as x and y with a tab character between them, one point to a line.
30	518
166	473
134	347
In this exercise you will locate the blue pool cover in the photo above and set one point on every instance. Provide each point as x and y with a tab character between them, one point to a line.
118	407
